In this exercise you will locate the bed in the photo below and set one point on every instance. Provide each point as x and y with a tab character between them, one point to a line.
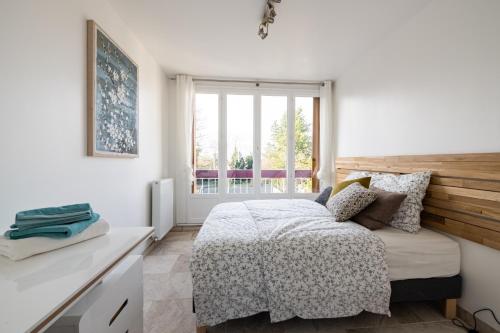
290	258
235	275
287	257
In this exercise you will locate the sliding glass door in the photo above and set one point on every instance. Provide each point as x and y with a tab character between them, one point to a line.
205	149
255	143
239	143
274	143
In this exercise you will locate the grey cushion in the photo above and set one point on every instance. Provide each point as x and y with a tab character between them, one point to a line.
324	196
379	213
350	201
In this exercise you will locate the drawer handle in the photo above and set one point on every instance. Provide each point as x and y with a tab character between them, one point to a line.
117	313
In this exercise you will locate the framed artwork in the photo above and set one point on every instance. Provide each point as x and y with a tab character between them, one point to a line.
112	98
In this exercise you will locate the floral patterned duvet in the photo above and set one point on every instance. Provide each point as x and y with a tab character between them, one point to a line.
288	257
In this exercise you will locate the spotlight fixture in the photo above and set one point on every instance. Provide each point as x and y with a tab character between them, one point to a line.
268	18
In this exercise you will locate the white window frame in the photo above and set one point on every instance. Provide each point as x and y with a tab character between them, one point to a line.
224	89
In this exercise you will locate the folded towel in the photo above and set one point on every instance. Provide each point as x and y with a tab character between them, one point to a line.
28	225
53	231
23	248
48	212
52	216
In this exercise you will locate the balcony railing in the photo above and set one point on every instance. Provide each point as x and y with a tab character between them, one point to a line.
241	181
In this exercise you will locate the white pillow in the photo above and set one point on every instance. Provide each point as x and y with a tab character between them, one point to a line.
414	185
358	174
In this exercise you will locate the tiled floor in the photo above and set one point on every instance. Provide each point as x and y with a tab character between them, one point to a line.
168	304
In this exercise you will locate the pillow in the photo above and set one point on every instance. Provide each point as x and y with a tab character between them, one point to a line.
349	202
359	174
379	213
414	185
365	181
324	196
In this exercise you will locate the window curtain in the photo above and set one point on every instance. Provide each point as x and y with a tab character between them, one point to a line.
326	135
184	122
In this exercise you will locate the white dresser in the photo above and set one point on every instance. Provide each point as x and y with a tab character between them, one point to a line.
37	291
113	306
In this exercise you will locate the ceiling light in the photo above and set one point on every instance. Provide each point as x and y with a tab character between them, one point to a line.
263	30
268	18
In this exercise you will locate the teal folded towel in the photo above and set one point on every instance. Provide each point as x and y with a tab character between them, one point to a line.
24	226
53	231
52	216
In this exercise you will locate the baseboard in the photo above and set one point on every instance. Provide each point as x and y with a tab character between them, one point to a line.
482	326
186	227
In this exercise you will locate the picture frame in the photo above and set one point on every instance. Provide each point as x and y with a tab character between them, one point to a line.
112	98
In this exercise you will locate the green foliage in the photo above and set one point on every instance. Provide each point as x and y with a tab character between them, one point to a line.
238	162
303	142
275	153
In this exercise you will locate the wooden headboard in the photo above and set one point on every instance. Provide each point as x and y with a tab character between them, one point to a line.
463	197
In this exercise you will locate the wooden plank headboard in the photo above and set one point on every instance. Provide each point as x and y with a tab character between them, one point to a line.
463	197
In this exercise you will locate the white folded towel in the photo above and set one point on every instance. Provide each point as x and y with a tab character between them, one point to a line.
17	249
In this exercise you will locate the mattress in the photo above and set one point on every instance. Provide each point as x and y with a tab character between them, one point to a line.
426	254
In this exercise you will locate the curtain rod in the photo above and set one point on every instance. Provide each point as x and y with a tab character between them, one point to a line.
256	82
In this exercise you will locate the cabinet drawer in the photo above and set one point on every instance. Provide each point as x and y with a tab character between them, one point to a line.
113	306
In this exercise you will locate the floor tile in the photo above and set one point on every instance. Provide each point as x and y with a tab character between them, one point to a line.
159	287
173	247
181	264
170	316
179	235
159	264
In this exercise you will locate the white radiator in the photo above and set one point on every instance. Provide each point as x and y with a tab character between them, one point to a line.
163	207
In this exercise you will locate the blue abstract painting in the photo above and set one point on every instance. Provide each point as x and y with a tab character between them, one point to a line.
116	93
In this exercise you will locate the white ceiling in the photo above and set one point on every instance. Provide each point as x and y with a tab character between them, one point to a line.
310	39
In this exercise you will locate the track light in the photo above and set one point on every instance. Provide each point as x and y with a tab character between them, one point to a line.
263	30
269	15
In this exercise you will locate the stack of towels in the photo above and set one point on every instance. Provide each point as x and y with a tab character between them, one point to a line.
46	229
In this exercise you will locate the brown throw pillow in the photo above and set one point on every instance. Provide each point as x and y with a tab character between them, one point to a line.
365	181
379	213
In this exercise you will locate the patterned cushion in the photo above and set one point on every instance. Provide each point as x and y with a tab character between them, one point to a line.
350	201
414	185
322	199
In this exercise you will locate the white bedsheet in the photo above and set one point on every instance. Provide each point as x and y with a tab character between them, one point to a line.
425	254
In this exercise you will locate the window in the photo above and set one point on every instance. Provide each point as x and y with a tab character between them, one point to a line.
274	143
240	143
306	144
206	143
275	134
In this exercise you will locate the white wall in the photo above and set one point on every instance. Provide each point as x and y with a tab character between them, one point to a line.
43	114
433	86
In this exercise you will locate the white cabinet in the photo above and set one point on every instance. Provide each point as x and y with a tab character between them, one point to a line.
113	306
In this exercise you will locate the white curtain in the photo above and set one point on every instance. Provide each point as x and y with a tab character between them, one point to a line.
326	135
184	126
